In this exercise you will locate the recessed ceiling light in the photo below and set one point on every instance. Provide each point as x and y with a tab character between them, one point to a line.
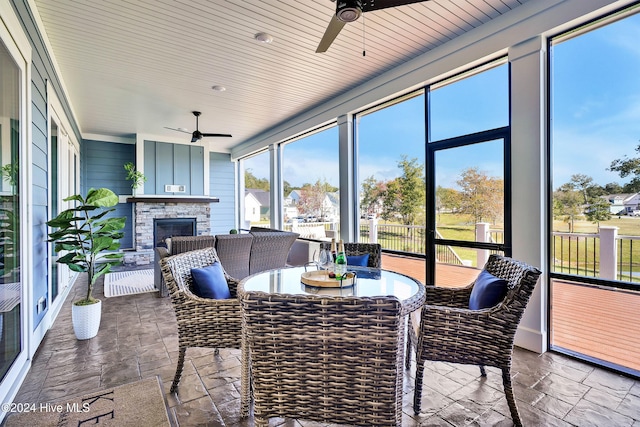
218	88
263	38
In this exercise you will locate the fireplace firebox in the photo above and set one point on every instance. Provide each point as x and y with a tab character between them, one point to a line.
164	228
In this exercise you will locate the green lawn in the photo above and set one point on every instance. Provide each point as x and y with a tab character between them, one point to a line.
575	255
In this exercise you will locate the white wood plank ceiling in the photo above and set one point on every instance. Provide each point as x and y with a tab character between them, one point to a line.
138	66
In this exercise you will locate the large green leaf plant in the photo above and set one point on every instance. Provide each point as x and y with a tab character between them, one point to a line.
86	239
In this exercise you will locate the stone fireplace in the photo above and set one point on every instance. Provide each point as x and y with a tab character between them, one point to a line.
148	209
165	228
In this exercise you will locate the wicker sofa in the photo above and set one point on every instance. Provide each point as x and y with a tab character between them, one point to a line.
240	254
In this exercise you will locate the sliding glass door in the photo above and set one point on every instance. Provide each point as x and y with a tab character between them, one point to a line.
11	286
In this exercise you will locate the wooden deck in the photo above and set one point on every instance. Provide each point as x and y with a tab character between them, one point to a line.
450	276
599	323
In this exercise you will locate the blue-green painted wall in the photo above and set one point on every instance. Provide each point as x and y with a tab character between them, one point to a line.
222	185
173	164
102	165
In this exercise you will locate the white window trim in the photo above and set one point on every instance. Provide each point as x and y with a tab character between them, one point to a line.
18	45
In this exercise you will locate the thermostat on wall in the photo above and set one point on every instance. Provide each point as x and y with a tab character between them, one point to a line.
175	188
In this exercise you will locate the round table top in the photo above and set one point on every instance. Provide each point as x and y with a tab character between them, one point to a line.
370	282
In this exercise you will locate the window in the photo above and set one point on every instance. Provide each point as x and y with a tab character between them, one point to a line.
391	182
469	103
310	177
257	190
595	230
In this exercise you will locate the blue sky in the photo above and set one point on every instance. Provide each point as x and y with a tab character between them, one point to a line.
595	118
596	101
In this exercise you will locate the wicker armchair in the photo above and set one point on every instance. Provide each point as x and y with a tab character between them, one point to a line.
326	359
373	249
447	330
179	244
234	251
202	322
270	249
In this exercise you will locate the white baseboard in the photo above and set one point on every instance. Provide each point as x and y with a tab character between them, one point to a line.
531	339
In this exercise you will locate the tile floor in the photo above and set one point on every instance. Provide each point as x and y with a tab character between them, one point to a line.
138	339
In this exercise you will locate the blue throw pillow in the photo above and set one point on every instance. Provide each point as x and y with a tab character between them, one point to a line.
487	291
209	282
358	260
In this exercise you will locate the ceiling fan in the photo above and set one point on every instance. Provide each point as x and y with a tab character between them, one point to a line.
350	11
196	135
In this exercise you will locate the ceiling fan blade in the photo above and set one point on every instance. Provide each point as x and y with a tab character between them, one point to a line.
332	31
369	5
177	129
226	135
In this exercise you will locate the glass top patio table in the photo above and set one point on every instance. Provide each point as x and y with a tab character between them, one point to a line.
370	282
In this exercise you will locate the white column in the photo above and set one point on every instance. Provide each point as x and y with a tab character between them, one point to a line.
529	169
347	179
276	197
608	252
241	217
482	235
373	230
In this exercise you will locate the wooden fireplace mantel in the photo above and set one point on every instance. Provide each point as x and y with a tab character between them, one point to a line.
170	199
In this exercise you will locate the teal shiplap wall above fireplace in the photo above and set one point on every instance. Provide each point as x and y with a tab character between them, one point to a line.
173	164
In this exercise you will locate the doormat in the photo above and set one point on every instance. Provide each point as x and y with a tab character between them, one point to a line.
128	283
137	404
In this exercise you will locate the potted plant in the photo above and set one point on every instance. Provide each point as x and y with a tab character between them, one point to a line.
137	178
87	242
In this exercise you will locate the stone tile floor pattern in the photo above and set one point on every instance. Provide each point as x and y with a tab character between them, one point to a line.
138	339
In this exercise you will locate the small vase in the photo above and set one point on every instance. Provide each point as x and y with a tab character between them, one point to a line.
86	320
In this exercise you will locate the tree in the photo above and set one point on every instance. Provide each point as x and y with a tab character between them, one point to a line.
447	200
410	189
286	187
567	204
628	167
371	195
581	183
613	188
481	196
251	181
312	198
598	210
581	196
391	200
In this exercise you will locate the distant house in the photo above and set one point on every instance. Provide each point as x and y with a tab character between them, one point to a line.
331	206
251	208
329	211
293	198
623	204
256	204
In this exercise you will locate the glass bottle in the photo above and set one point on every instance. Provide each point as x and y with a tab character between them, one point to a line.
334	252
341	262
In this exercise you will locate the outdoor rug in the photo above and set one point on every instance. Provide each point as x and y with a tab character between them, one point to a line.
137	404
128	283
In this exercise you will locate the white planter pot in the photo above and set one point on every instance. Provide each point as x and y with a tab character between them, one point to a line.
86	320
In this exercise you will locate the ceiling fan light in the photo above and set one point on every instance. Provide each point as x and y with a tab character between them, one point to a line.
349	11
